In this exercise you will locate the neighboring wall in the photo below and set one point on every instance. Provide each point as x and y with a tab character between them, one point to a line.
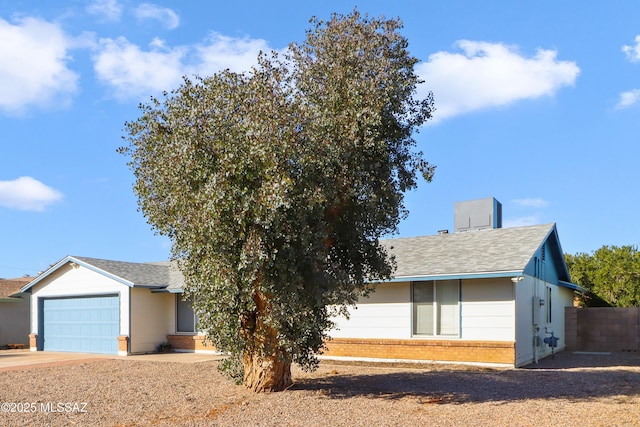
603	329
14	322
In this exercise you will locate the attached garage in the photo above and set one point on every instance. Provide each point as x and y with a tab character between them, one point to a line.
88	324
90	305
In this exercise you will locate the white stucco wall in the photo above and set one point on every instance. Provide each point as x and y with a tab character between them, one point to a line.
70	281
525	291
488	310
562	297
149	319
531	315
486	313
385	313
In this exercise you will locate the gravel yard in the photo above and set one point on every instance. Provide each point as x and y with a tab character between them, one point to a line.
585	390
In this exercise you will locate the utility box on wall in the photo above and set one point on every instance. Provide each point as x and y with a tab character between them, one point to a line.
478	214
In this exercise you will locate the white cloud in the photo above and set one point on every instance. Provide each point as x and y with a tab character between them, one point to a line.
134	72
109	10
531	203
522	221
633	52
33	69
222	52
27	194
628	98
490	75
166	16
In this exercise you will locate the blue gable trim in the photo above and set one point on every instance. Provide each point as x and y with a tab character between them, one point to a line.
572	286
550	250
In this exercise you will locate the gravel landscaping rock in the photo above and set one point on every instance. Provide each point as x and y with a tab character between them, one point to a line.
569	390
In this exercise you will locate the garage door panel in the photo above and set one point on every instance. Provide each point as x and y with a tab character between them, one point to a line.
82	324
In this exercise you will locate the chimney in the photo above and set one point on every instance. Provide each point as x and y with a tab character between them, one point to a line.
481	214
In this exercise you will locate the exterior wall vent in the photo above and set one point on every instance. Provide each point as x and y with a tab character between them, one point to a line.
481	214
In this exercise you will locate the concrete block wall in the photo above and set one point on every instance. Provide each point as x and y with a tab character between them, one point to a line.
571	328
602	328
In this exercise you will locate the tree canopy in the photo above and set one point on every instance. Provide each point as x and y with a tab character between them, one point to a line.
276	185
611	274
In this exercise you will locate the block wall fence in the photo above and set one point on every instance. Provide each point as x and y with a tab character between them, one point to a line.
602	329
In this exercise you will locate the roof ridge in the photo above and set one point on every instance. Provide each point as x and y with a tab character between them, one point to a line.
470	232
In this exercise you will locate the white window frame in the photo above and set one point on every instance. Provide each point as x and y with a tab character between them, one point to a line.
437	310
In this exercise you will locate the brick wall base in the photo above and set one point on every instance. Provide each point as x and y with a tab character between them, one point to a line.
123	345
436	350
190	343
33	342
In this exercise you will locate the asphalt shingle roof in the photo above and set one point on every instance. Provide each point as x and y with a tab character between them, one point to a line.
175	277
473	252
140	274
494	250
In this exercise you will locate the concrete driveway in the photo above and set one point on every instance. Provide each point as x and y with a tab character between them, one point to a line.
25	359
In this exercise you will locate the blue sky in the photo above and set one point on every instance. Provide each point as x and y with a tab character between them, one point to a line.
537	105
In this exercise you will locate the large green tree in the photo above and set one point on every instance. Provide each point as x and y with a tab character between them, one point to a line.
275	186
611	274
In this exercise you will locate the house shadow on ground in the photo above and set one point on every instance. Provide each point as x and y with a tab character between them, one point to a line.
567	376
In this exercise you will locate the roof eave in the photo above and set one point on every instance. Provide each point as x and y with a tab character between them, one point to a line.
152	287
572	286
166	291
475	275
11	299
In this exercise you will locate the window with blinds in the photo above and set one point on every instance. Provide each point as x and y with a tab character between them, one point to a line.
436	310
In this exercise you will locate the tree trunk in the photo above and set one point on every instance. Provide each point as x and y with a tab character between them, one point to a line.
267	367
266	373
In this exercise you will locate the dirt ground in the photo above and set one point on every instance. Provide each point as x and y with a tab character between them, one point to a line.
568	390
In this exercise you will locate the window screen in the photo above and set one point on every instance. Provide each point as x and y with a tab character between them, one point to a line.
423	308
447	298
436	308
